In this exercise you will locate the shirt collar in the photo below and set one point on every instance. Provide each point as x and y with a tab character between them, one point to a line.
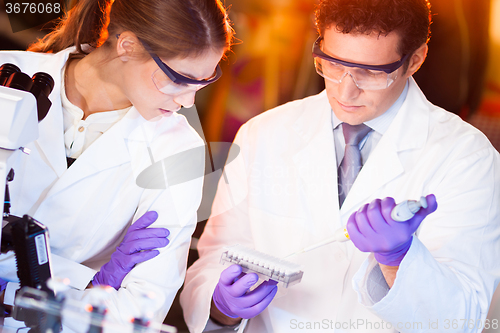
382	122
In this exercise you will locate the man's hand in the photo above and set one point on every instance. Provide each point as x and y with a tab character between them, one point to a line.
233	298
372	229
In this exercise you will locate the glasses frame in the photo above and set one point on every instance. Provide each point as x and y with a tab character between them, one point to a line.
179	78
389	68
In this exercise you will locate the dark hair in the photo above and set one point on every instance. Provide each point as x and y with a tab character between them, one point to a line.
172	28
411	19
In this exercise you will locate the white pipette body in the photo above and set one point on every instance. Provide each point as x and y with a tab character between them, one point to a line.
407	209
401	213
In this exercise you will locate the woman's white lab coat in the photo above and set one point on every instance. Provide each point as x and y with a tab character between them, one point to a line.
286	186
88	207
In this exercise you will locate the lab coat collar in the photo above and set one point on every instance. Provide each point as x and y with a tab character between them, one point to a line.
51	128
309	121
108	151
111	148
315	159
50	140
408	130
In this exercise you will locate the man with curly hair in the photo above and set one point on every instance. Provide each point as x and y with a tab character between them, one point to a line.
343	159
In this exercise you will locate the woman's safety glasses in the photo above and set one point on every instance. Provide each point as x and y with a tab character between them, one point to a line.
170	82
366	77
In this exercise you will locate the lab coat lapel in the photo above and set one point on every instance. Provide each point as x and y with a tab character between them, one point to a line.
108	151
407	131
315	161
51	129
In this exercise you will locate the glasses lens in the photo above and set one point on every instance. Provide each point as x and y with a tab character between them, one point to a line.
168	87
365	79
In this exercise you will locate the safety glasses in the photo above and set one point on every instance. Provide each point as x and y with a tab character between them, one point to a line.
367	77
170	82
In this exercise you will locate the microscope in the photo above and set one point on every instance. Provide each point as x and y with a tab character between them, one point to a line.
24	102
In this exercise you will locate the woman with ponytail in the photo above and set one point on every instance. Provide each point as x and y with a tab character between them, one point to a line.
121	70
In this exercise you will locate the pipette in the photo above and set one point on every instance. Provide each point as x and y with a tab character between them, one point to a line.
401	213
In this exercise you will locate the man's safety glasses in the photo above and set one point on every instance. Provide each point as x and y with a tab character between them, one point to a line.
366	77
170	82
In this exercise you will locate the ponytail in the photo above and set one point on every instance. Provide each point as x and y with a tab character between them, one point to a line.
83	24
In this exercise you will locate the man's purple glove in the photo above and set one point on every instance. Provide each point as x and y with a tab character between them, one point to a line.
139	245
232	298
372	229
3	285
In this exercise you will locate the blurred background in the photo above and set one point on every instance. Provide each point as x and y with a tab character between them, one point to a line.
272	65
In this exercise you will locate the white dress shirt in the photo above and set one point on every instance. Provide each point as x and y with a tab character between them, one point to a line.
80	133
379	126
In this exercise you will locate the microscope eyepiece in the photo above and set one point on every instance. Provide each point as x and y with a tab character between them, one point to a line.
6	70
19	81
40	85
44	82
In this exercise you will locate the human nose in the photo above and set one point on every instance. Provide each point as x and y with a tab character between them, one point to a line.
348	88
186	99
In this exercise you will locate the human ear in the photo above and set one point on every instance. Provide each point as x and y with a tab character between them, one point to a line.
417	59
125	45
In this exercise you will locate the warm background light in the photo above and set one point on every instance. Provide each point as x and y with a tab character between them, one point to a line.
493	72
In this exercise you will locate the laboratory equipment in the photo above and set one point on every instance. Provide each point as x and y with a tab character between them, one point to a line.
24	102
142	322
53	320
98	296
79	316
407	209
400	213
263	264
29	240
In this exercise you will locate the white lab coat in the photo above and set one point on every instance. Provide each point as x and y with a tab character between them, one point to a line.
287	171
88	207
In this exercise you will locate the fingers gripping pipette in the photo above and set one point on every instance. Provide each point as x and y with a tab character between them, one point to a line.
401	213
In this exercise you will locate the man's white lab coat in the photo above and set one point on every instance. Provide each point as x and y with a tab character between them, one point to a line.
288	179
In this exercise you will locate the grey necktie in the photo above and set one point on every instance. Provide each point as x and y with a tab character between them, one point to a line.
351	163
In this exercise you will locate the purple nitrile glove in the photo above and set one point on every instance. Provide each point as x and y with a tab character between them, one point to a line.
372	229
232	298
3	285
139	244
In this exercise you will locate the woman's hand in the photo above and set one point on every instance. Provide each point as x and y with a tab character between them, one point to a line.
140	244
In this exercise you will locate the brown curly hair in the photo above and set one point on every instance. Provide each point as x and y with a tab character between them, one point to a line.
411	19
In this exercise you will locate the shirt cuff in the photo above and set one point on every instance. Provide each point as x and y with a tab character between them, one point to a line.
370	284
214	327
377	286
79	275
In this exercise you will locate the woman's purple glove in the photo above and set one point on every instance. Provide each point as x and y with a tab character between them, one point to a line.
232	298
139	245
372	229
